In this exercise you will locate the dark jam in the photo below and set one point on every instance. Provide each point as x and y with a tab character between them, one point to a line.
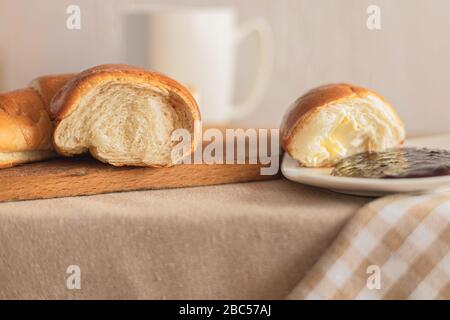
395	164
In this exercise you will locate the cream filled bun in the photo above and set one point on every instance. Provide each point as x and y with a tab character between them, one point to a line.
335	121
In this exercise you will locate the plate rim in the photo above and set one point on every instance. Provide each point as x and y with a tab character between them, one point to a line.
289	166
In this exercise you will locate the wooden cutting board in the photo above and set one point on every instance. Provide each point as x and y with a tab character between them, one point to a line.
64	177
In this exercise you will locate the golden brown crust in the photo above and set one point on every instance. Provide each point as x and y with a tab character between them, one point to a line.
24	122
317	98
67	99
25	126
49	85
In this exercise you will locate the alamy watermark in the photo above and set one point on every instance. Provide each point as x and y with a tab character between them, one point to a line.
374	279
229	146
73	281
373	21
73	21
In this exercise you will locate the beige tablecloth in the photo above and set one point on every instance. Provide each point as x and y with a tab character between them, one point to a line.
238	241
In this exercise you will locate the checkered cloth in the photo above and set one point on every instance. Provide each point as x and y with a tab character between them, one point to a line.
396	247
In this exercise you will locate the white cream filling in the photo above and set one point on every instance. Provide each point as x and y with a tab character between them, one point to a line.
342	129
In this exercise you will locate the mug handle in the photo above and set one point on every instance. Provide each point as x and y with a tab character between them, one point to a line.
266	53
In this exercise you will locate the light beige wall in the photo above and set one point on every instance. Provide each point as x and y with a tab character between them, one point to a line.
35	40
317	41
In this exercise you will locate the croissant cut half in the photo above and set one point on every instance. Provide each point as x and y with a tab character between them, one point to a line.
123	115
335	121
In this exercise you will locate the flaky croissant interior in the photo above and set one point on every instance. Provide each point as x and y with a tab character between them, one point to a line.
124	123
345	128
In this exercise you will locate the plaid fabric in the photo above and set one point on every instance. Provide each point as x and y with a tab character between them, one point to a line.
400	241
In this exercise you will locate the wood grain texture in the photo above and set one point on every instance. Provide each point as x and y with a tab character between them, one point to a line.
64	177
86	176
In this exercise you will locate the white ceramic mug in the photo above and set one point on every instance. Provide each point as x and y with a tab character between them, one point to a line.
197	47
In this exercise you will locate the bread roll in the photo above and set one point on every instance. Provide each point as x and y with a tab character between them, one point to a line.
25	126
49	85
334	121
123	115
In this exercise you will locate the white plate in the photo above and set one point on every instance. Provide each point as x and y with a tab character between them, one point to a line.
365	186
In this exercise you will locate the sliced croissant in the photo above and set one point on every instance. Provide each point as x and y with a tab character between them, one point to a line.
123	115
334	121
